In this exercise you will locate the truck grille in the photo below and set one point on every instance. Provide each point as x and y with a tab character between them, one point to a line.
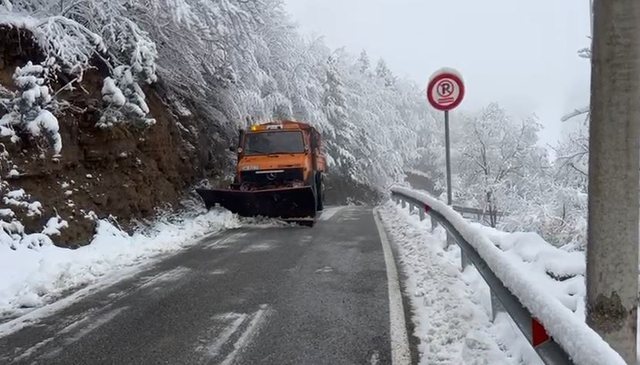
277	177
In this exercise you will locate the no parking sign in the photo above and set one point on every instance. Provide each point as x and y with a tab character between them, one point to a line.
445	90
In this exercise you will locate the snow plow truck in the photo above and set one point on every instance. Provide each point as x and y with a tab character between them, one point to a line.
279	173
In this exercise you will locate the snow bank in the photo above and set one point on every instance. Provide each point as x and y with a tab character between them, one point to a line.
561	273
583	344
34	277
451	321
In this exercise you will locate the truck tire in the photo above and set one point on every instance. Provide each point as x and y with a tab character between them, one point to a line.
319	193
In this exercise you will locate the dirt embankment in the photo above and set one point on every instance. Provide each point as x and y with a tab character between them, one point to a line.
122	171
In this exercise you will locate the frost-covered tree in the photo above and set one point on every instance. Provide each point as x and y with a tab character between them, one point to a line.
124	100
384	73
334	105
572	159
29	108
363	62
497	154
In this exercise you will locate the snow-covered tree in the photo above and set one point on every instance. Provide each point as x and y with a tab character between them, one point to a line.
124	100
29	109
363	62
497	154
572	159
334	105
384	73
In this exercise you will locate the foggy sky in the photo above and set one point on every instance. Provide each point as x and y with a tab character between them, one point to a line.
522	54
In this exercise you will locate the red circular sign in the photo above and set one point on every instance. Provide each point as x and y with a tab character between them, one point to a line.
445	90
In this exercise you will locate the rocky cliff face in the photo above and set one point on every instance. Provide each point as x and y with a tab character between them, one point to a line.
122	171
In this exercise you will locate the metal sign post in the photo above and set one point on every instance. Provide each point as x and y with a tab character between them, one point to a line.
445	91
448	158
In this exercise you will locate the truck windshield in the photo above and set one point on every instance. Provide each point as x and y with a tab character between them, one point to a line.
273	142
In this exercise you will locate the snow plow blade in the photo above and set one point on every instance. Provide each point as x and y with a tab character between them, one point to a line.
284	203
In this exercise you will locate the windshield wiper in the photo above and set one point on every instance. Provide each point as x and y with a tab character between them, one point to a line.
254	152
257	152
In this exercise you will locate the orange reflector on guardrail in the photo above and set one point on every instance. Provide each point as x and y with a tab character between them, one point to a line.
427	208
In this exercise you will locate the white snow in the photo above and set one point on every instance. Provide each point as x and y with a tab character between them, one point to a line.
29	104
583	344
54	225
16	194
32	278
419	173
4	131
16	198
451	321
7	4
47	122
112	94
545	263
329	212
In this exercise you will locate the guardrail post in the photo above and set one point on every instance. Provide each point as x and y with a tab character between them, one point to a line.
464	260
410	208
421	213
404	204
496	306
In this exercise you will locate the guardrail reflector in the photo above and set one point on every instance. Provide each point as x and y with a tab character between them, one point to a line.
539	334
427	208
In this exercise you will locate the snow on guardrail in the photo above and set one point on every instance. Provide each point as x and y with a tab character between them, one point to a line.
581	343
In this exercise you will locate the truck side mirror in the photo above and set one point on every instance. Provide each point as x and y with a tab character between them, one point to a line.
233	149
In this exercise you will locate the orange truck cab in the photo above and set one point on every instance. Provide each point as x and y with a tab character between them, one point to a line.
279	154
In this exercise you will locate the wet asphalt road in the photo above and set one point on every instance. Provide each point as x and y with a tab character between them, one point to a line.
255	295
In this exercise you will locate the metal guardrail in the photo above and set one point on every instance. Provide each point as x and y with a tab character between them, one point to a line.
474	211
502	300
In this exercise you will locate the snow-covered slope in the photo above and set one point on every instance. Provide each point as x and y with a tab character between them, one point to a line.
32	277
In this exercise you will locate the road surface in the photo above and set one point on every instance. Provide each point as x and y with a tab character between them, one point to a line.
255	295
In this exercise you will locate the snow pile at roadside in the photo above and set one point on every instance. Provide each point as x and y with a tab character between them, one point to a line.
561	273
33	277
12	233
583	344
452	321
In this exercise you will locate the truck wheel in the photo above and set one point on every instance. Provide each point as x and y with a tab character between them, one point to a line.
320	193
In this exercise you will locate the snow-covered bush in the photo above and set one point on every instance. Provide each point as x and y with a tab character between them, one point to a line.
556	212
30	108
124	100
12	231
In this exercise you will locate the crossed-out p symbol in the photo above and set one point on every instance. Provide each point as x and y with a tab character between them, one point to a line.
445	88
